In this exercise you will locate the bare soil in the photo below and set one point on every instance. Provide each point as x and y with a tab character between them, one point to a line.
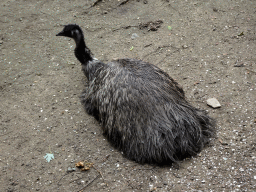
207	46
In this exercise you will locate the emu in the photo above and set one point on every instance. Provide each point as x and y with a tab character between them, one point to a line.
142	110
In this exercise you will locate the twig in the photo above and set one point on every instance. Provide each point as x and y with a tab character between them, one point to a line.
50	149
65	175
123	2
106	158
250	70
96	3
76	179
241	65
125	27
88	183
99	173
3	162
160	48
62	178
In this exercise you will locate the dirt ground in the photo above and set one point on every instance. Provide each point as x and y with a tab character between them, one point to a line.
208	46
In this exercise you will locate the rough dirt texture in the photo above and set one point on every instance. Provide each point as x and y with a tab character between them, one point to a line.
209	48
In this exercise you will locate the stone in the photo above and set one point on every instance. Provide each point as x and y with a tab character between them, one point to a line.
134	36
213	102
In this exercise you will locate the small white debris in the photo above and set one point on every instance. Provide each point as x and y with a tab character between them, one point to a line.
71	169
241	169
152	188
71	63
213	102
134	36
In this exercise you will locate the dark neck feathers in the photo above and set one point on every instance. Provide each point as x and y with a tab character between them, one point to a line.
82	52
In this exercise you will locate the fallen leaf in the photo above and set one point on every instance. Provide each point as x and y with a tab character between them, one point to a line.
80	164
84	166
49	157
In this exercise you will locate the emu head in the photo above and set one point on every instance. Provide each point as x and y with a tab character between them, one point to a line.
73	31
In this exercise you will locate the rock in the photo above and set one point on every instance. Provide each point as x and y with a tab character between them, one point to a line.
223	142
213	102
152	188
71	169
134	36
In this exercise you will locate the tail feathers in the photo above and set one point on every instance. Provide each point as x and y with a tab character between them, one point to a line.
208	126
199	128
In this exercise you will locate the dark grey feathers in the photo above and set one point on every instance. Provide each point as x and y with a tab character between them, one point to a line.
144	113
142	110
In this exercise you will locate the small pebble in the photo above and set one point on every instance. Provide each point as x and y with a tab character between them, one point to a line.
134	36
71	169
152	188
213	102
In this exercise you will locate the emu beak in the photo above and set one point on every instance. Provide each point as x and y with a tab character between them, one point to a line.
61	33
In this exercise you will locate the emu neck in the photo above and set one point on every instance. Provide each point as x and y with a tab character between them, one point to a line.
82	52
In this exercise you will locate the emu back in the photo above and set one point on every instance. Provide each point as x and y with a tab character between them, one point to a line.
144	113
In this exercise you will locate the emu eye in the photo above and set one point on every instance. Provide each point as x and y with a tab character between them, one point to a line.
74	33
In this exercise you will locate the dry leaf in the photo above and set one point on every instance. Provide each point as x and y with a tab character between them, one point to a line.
80	164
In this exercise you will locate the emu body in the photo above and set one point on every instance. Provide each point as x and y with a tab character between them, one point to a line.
142	110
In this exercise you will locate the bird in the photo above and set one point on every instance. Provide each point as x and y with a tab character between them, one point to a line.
143	112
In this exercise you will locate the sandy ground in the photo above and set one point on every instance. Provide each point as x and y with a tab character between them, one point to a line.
207	46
